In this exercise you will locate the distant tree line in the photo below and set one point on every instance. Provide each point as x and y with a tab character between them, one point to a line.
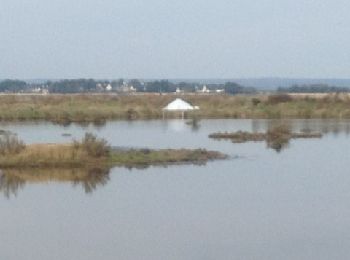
155	86
72	86
234	88
13	86
314	88
91	85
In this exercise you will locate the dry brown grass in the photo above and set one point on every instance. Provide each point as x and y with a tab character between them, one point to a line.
49	155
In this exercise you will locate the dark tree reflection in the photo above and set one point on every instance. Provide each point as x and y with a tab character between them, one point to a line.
10	184
194	123
11	181
93	179
278	137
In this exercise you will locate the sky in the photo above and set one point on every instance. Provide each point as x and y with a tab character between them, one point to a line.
174	38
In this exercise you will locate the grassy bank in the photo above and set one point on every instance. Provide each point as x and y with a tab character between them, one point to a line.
97	108
92	152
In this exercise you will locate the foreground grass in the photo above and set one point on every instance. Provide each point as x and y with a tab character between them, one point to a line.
97	108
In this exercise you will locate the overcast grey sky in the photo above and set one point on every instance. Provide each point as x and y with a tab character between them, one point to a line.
174	39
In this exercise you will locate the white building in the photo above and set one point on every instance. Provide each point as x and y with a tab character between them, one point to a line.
179	105
205	89
178	90
108	87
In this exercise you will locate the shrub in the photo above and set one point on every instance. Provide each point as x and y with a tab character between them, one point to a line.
256	101
278	137
94	146
279	98
131	114
10	144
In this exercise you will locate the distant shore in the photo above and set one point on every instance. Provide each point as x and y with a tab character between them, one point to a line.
98	108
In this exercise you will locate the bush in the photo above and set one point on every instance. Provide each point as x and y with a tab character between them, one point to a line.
94	146
278	137
256	101
10	144
279	98
131	114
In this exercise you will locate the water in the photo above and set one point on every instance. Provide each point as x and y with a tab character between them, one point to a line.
259	204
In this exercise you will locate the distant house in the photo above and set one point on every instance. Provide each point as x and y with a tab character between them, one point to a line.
178	90
205	89
99	87
127	89
108	87
37	90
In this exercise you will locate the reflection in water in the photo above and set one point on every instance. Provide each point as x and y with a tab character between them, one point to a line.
175	125
324	126
84	124
194	124
277	141
11	181
278	136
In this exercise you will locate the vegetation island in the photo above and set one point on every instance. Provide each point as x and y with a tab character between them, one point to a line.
277	137
92	152
84	163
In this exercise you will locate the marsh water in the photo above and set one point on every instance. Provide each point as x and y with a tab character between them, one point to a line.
259	204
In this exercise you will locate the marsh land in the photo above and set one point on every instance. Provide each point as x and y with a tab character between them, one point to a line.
99	108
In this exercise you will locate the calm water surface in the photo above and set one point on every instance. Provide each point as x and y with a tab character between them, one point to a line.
259	204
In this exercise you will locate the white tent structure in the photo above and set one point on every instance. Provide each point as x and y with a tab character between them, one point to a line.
179	105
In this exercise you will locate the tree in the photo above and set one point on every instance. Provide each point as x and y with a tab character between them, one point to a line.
13	85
